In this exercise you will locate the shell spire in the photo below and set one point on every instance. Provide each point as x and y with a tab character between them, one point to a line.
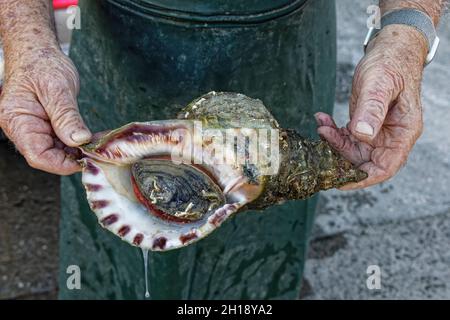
308	167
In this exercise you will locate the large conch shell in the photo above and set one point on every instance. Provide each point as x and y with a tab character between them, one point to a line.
162	185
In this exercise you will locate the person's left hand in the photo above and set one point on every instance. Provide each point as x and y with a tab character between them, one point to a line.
385	106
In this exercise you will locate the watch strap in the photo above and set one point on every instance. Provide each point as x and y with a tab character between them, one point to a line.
414	18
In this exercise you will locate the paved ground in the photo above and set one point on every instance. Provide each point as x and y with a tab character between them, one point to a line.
29	212
402	226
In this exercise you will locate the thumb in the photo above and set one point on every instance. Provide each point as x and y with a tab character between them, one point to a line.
67	122
374	93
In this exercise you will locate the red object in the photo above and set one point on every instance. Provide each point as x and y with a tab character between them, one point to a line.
63	4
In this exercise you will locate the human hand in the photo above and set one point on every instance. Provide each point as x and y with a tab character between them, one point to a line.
385	106
38	108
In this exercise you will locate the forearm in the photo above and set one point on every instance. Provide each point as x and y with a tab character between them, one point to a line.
26	25
433	8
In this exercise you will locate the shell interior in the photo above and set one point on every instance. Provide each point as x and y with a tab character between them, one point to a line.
140	194
175	192
110	194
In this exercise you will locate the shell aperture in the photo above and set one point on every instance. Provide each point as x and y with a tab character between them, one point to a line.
143	192
179	193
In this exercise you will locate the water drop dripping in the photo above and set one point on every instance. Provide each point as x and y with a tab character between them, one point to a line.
145	255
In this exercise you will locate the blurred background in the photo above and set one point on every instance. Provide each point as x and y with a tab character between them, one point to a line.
402	226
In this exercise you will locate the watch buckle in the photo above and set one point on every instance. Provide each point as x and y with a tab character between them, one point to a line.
433	50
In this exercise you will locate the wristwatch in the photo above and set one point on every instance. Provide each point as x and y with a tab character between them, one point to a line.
410	17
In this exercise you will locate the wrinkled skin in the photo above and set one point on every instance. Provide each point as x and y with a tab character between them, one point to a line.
385	107
385	103
38	109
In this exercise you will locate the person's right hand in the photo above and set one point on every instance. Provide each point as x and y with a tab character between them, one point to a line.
38	109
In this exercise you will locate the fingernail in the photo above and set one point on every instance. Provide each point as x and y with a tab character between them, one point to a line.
364	128
81	136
